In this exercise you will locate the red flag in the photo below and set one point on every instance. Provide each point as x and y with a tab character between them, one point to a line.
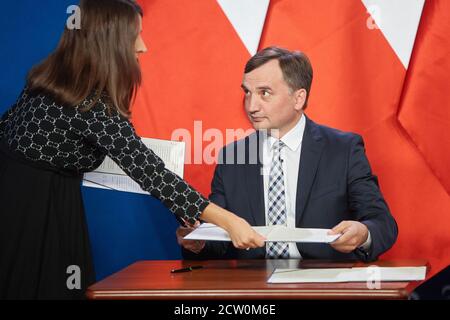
191	80
424	113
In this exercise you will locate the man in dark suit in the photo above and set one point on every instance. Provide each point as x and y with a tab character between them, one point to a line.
296	173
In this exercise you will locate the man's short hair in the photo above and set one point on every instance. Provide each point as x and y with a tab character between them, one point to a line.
295	66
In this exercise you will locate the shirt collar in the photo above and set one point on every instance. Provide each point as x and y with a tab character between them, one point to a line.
293	138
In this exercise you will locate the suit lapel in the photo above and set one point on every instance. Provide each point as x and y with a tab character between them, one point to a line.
312	147
255	184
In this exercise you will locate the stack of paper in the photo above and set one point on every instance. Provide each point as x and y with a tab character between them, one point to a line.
373	273
209	231
110	176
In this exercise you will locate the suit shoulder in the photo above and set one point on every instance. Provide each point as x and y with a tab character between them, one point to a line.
241	142
334	135
238	150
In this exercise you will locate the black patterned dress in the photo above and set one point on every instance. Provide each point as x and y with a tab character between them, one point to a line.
44	150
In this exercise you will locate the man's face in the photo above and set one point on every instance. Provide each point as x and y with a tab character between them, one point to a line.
269	102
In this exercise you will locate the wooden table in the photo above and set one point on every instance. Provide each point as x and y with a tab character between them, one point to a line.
238	279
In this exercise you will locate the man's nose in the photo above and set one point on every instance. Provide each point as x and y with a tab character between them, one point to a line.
253	104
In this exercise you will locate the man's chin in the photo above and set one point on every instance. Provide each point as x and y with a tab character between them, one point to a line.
260	126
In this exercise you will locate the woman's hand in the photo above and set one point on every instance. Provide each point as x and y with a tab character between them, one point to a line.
241	233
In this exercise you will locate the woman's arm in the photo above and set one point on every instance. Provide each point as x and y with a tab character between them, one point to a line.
115	136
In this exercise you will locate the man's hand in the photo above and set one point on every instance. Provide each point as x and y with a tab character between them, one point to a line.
354	234
192	245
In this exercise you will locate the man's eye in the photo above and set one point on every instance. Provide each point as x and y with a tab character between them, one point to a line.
265	93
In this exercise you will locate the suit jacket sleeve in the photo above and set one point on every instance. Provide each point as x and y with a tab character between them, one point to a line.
213	249
367	204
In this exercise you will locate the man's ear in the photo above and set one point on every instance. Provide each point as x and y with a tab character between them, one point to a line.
300	98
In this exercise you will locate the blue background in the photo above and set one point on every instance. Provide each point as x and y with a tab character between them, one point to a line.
123	227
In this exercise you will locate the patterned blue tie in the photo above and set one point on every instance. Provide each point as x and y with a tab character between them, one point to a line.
277	202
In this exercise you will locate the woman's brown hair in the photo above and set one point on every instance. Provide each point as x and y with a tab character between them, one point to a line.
97	58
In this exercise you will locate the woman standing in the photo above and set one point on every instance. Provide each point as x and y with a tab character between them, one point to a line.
73	111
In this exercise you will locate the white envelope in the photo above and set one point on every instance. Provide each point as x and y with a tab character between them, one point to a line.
372	273
209	231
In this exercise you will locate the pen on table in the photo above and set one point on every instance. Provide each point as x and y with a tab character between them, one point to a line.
187	269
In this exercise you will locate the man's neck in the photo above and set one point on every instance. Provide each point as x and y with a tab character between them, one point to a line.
280	133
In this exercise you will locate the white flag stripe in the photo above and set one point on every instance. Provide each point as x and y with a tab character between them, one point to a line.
247	18
398	20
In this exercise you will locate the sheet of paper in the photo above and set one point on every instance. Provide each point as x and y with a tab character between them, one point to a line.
285	234
208	231
348	275
110	176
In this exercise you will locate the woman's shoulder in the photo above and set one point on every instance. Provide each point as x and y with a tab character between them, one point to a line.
93	108
99	106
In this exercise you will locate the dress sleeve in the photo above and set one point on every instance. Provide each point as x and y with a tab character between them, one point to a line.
115	136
